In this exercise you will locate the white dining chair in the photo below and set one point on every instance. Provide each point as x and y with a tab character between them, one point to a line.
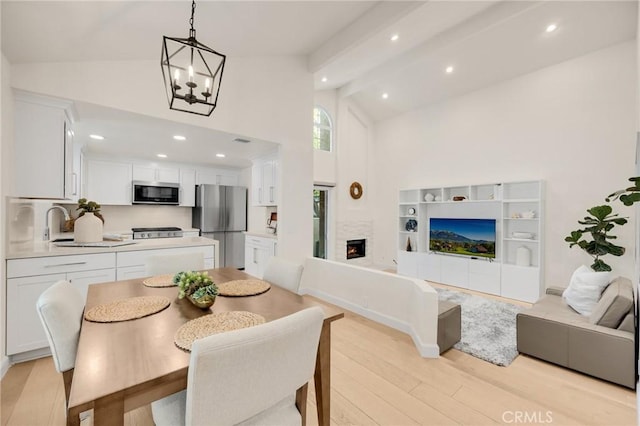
283	273
252	376
60	309
172	263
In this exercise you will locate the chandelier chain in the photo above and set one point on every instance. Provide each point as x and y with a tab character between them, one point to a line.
193	11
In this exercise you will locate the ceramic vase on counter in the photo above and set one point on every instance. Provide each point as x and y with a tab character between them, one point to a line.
88	229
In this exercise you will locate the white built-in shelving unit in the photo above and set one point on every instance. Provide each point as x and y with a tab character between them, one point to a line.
510	204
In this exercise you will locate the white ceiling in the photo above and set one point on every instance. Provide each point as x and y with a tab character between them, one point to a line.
347	42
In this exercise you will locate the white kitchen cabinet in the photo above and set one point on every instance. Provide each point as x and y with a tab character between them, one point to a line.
187	187
108	182
217	177
156	174
43	162
258	251
28	278
264	182
132	264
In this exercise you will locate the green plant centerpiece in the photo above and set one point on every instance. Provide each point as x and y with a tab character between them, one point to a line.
198	287
627	196
85	206
598	225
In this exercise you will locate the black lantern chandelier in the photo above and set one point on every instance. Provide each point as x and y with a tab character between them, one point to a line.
192	72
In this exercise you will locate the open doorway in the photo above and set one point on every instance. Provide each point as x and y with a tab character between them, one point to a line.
320	216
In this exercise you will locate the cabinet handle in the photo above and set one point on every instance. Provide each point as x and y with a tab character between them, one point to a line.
75	183
65	264
255	255
271	194
260	195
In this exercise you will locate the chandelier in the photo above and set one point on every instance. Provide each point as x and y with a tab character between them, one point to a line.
192	72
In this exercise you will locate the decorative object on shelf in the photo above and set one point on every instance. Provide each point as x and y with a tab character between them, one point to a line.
459	198
523	256
529	214
600	222
515	215
438	198
523	235
88	228
355	190
198	287
203	66
428	197
411	225
409	244
411	211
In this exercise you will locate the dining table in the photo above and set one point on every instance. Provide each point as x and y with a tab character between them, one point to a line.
123	365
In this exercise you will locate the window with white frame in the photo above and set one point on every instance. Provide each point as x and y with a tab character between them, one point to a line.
322	131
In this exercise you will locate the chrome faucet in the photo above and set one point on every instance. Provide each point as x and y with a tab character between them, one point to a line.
45	234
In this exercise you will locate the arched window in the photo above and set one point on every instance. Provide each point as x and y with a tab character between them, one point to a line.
322	131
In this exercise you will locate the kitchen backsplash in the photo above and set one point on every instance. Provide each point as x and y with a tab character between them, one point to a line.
123	218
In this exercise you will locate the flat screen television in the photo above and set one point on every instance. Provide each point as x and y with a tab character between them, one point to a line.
464	237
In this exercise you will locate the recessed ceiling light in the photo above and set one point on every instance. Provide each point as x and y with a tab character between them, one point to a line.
220	155
162	155
324	79
551	28
385	96
97	137
180	138
395	37
449	69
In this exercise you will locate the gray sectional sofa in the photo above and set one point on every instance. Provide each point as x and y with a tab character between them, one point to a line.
601	345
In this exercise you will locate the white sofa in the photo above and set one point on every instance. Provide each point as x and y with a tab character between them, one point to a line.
406	304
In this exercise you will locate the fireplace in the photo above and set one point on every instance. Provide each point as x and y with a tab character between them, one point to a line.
356	248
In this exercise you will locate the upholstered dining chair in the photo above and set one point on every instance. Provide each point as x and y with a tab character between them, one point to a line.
60	309
252	376
283	273
172	263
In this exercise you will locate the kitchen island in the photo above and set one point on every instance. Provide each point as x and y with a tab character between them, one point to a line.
34	267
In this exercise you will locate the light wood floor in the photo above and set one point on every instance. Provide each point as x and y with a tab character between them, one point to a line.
379	378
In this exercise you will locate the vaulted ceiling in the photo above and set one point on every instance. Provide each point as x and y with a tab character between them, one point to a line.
348	44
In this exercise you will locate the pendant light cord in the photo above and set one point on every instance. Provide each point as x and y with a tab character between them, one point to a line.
193	11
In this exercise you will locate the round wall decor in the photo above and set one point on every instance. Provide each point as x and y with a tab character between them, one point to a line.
355	190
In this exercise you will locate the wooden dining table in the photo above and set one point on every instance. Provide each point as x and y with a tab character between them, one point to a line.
124	365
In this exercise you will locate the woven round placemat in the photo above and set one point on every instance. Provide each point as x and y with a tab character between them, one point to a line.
243	288
127	309
165	280
217	322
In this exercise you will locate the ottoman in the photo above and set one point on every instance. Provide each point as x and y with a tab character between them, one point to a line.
449	315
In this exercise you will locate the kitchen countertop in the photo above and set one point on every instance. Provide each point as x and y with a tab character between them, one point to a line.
40	249
261	235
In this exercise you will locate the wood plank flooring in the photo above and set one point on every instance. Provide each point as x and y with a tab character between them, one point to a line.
378	378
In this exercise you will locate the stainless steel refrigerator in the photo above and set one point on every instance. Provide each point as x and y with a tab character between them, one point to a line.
221	213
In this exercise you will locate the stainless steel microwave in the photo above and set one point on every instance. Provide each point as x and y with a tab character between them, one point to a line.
156	193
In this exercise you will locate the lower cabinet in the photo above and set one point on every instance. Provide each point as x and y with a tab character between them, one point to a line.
132	264
28	278
258	251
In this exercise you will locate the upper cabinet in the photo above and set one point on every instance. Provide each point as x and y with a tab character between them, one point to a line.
43	166
217	177
264	182
156	174
187	187
108	182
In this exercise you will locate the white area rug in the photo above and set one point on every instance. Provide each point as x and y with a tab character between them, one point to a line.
488	327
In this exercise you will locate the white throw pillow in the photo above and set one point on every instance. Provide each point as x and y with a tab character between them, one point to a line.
585	289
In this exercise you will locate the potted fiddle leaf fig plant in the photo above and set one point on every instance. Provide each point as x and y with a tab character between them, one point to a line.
595	238
627	196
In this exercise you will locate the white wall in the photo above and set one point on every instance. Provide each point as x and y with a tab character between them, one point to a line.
572	125
279	111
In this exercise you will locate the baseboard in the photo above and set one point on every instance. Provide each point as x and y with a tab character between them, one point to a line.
426	350
29	355
4	366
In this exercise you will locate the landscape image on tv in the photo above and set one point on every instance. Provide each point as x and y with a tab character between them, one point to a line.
467	237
